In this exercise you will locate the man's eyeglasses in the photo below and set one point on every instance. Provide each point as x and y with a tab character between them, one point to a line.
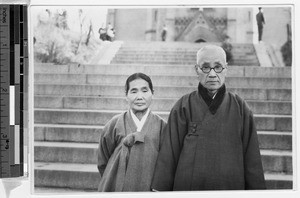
207	69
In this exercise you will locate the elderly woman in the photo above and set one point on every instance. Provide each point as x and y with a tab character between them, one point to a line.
129	144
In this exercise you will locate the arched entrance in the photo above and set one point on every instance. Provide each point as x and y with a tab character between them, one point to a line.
200	41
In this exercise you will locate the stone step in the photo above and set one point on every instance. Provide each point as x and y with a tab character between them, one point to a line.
177	62
144	53
60	190
234	62
63	152
181	44
159	49
244	63
123	53
162	80
255	71
275	140
238	71
280	161
278	181
154	62
86	177
159	91
237	61
176	50
67	133
178	56
100	117
136	58
169	58
91	134
158	104
64	175
179	51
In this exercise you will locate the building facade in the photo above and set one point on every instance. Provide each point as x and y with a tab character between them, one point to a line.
195	24
199	24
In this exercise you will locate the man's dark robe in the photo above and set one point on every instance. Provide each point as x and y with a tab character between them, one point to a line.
126	158
209	145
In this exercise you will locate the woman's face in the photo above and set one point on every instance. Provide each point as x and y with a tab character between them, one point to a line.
139	96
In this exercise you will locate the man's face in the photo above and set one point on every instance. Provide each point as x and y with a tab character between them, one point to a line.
212	57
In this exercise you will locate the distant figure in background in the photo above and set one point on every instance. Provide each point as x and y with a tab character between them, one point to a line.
226	45
164	33
260	23
102	33
110	32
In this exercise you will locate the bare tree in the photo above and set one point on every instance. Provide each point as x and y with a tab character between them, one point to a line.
89	33
81	22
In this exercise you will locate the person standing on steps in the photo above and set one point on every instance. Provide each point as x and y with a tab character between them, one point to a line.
227	46
110	32
129	143
260	23
102	33
210	141
164	33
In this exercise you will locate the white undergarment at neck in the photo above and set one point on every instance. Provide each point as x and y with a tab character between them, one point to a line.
214	95
139	123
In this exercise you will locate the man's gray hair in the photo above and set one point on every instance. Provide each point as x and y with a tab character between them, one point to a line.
209	47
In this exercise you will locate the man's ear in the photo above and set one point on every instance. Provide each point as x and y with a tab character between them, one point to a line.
197	69
226	68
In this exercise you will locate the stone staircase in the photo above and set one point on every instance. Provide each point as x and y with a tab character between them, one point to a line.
178	53
73	102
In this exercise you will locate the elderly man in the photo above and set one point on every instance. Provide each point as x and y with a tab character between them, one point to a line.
210	141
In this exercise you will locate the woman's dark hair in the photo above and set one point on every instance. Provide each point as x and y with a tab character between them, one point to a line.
138	76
